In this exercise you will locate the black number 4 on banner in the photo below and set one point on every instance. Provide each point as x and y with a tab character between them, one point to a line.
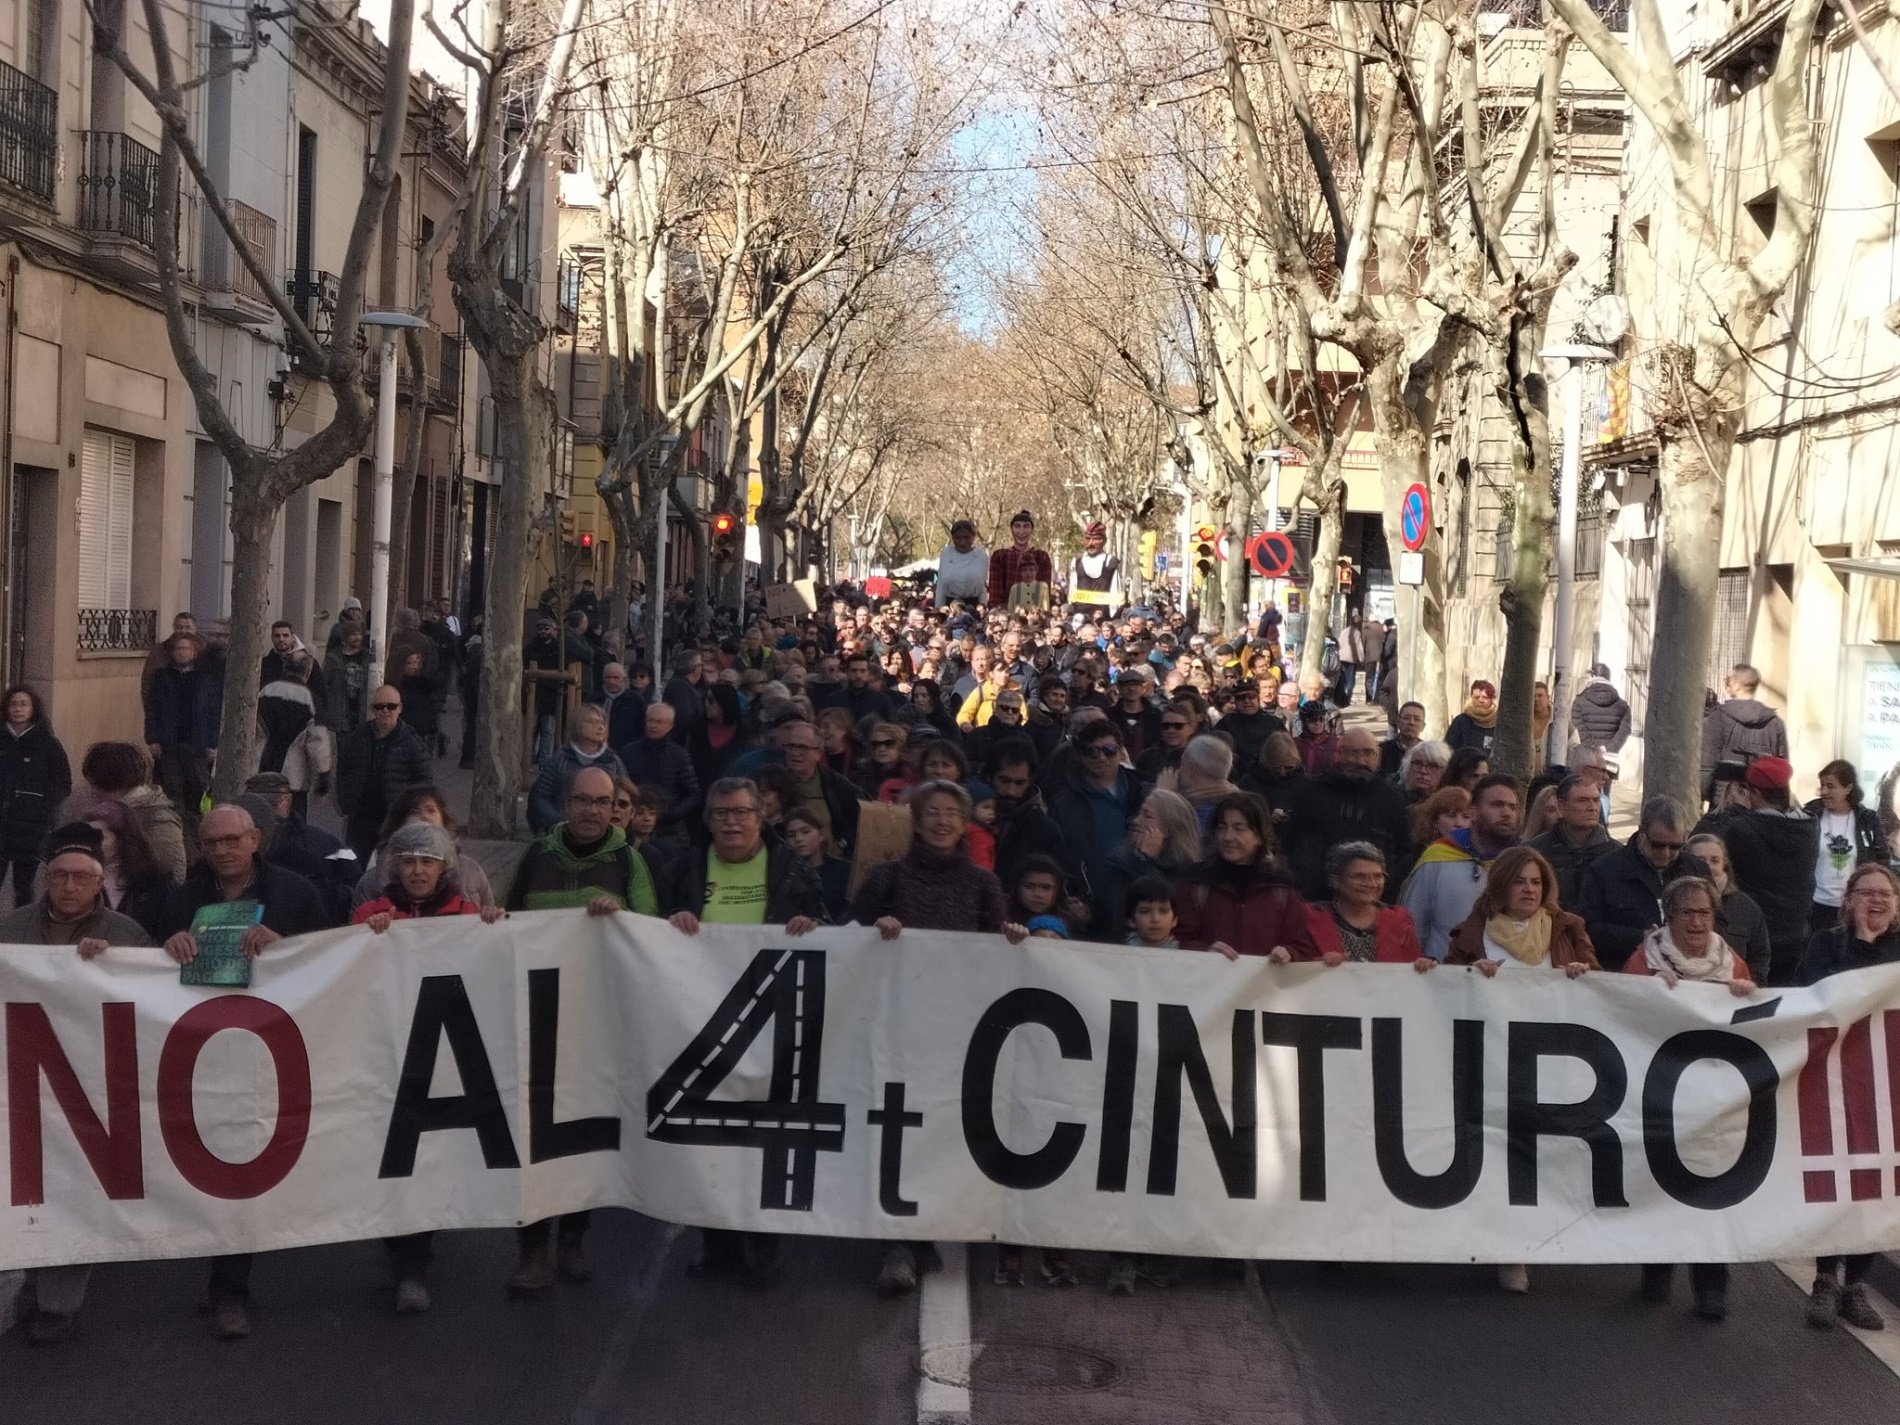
786	987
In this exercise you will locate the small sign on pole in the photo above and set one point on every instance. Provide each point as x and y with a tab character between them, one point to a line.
1411	567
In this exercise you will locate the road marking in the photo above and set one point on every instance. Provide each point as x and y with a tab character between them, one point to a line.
943	1340
1884	1346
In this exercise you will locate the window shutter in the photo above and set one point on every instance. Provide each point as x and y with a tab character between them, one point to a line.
105	521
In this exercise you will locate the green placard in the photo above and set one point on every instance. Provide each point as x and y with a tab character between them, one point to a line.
218	928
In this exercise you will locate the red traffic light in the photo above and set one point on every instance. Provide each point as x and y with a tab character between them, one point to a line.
722	523
587	540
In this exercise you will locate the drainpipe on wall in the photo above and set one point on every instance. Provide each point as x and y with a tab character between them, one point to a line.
7	514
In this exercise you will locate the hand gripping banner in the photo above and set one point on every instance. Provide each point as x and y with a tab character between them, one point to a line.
449	1074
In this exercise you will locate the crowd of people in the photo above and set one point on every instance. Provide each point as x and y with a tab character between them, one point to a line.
983	757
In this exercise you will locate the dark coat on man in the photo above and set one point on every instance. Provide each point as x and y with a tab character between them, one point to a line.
1331	808
1600	717
1570	859
1771	856
663	769
1738	731
1620	898
292	906
791	887
184	707
372	771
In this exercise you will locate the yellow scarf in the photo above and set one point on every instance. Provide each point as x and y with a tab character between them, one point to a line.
1488	717
1528	943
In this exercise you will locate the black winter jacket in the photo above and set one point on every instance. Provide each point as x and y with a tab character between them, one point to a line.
1833	952
1571	861
183	706
1740	730
35	778
1600	717
1771	856
1620	899
372	772
1332	808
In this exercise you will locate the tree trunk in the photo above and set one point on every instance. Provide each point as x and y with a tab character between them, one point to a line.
1687	577
1514	752
1325	577
1404	460
1234	572
524	418
253	528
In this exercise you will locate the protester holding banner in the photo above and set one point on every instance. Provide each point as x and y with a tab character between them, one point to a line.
73	912
1355	924
422	884
933	886
1240	899
1869	934
583	863
287	904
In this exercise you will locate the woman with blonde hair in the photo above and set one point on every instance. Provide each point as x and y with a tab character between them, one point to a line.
1516	921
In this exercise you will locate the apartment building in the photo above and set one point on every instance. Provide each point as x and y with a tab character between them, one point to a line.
1810	582
114	499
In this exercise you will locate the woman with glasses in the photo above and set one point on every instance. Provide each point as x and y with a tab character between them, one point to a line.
1687	949
1868	935
883	759
1356	924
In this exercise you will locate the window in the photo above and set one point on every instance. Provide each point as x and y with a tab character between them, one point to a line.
1729	646
105	521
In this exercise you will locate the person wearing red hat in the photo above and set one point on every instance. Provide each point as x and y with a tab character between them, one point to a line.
1771	856
1095	576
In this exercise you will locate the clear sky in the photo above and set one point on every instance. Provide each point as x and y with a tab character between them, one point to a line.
999	188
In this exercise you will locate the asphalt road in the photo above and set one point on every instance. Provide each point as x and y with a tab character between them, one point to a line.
1277	1343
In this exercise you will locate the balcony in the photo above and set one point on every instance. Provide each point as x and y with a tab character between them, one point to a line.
117	630
118	199
313	296
29	134
449	378
231	292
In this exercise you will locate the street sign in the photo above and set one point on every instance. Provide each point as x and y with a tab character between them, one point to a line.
1161	561
1415	516
1271	554
1411	567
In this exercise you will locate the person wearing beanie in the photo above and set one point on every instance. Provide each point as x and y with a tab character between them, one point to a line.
1095	575
1771	856
70	911
422	884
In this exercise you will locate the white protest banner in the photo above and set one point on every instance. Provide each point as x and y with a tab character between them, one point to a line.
451	1074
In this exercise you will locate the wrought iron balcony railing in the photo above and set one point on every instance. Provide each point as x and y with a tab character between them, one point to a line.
29	134
117	630
118	187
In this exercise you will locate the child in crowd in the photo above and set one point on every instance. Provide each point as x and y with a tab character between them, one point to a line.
1149	905
1036	899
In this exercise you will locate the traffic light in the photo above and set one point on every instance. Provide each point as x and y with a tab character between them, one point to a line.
587	539
1204	538
724	531
1147	551
1345	576
568	527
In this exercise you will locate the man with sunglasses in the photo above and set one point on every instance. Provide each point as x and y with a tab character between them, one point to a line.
375	764
1092	803
1620	894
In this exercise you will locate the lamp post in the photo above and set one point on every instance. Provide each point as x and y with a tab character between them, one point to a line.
1561	692
390	323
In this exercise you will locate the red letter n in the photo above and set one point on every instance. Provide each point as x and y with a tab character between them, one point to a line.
112	1148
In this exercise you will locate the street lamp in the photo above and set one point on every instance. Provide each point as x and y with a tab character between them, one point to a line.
390	323
1561	696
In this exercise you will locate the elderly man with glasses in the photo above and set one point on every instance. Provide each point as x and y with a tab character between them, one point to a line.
72	911
831	799
1620	894
376	762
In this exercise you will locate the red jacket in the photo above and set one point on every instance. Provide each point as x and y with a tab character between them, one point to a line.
455	904
1252	916
1394	937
